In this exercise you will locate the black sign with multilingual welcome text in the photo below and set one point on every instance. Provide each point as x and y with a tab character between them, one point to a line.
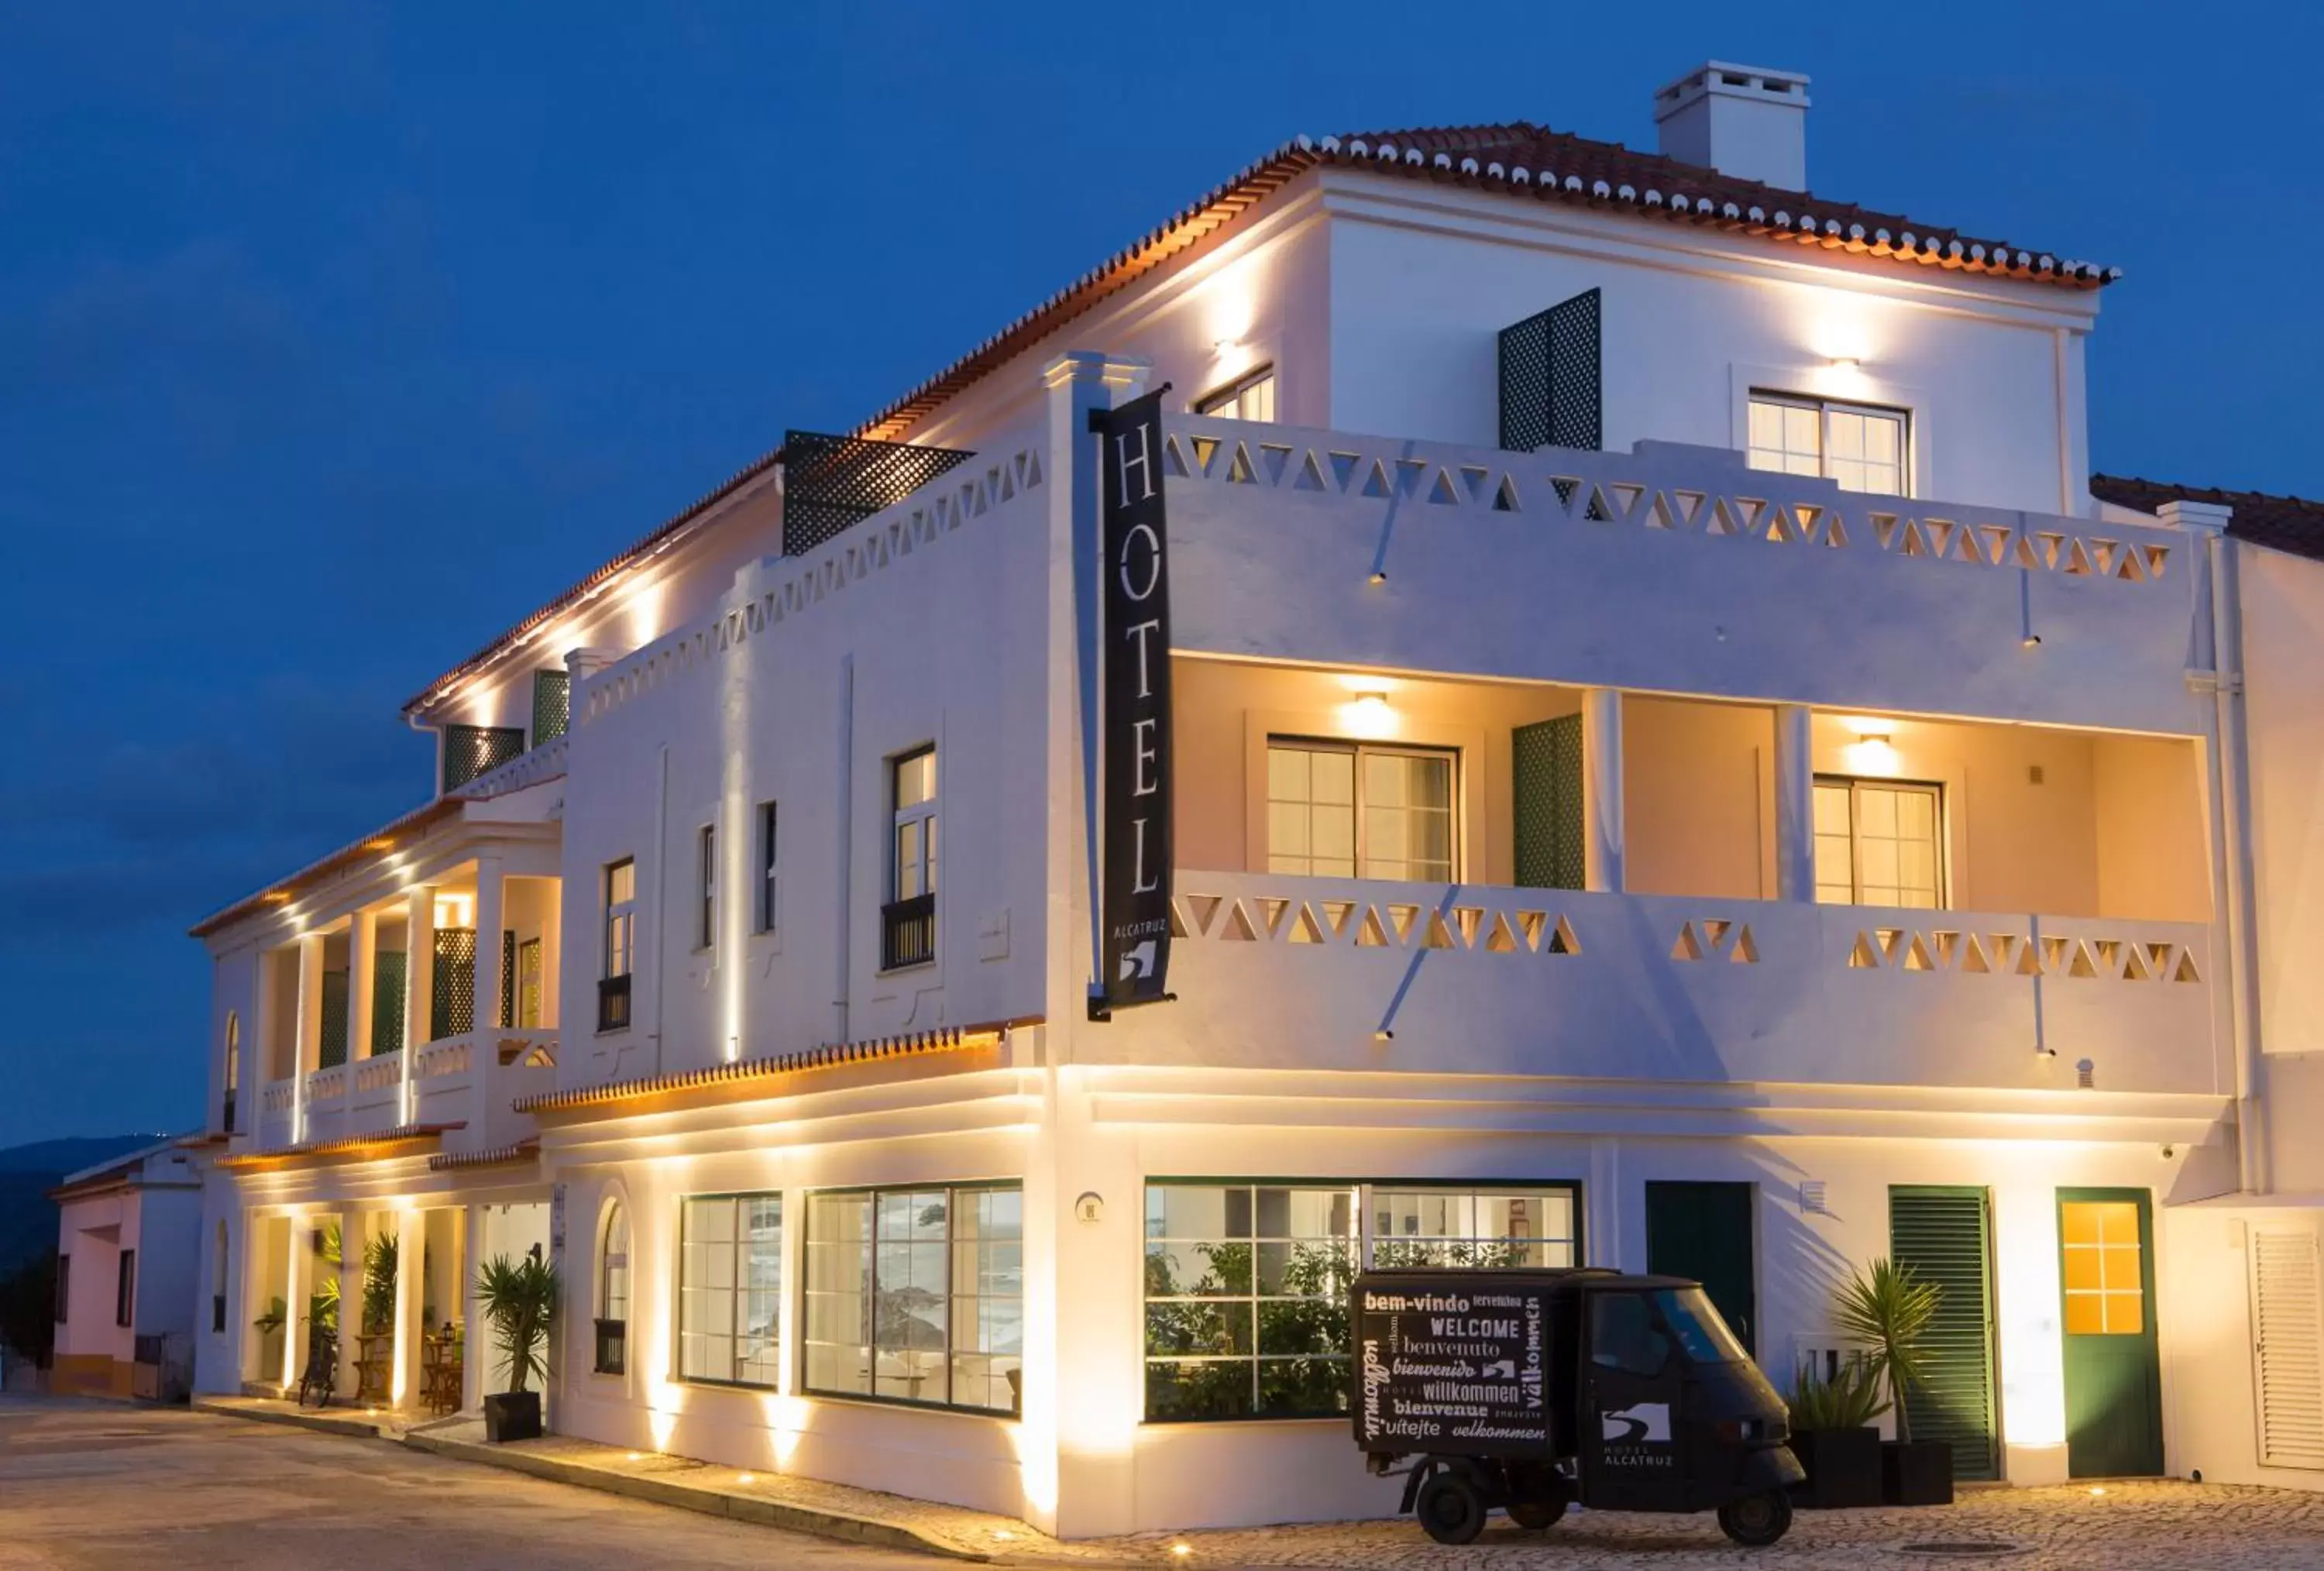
1134	912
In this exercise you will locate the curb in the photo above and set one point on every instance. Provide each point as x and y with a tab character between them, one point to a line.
824	1524
323	1422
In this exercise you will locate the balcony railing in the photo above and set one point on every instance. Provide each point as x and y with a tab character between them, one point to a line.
908	932
614	1003
1316	971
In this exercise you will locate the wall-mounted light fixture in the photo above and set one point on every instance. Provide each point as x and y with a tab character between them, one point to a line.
1845	363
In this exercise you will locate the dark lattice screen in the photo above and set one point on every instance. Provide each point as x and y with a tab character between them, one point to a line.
452	997
331	1041
1546	770
552	704
508	978
1550	375
830	483
470	751
387	1002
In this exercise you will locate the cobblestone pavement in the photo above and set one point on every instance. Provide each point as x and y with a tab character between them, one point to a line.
2130	1526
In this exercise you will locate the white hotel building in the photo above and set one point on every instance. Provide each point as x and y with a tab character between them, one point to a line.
1677	764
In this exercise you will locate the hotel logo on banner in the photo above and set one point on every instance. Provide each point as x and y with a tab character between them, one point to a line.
1134	906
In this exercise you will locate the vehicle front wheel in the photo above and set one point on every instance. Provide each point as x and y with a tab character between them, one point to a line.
1757	1521
1450	1508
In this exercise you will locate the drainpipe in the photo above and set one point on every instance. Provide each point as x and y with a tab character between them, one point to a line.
847	811
2231	827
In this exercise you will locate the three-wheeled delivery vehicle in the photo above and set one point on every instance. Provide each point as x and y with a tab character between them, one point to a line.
1531	1390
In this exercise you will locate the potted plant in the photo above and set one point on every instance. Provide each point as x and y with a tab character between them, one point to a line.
1833	1435
519	1300
1884	1308
379	1285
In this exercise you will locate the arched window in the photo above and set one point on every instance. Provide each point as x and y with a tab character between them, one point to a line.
233	1067
614	1291
218	1285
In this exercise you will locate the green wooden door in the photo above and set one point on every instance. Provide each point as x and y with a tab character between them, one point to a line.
1946	1236
1706	1231
2114	1369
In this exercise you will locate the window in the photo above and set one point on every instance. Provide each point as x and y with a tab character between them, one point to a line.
706	861
613	1292
2106	1288
1460	1227
1877	843
768	909
1343	810
1863	448
1623	1335
917	1295
1245	1284
217	1284
730	1287
1699	1327
1247	397
620	945
232	1068
908	919
125	1290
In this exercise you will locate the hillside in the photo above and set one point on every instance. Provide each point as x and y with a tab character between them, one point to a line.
28	1220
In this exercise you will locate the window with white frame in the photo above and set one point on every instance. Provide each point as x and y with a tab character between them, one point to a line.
913	789
1862	447
918	1295
767	908
621	917
1251	396
705	859
1246	1283
730	1288
1879	843
1355	810
614	1291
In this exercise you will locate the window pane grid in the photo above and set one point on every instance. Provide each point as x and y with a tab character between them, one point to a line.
1859	446
2103	1266
1879	843
1345	812
916	1296
730	1287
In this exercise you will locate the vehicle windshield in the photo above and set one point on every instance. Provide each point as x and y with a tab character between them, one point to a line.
1689	1314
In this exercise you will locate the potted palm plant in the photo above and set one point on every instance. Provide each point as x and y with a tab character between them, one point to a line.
1886	1309
1832	1415
518	1300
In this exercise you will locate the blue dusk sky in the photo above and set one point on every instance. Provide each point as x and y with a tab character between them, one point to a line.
333	338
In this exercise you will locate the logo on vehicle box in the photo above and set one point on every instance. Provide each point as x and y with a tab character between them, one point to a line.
1646	1423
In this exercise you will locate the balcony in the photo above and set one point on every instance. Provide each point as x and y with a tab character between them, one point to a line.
470	1079
1418	873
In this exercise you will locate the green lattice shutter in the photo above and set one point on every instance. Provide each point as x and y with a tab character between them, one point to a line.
508	978
470	751
1545	762
552	704
1945	1236
387	1002
1551	371
331	1041
452	998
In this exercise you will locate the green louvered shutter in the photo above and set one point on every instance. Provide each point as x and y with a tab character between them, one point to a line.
1545	764
387	1002
1945	1236
331	1039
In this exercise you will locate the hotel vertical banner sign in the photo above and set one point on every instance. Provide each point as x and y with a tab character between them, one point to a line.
1134	916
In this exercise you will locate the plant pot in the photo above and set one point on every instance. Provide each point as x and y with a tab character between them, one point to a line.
1916	1473
1843	1466
512	1416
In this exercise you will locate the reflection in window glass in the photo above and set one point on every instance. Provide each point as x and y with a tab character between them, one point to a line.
1696	1324
730	1287
1466	1228
1623	1335
916	1296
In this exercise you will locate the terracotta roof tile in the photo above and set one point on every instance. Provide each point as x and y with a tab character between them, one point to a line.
1520	160
2286	523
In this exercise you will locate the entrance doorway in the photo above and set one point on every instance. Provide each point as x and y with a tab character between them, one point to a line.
1945	1235
1708	1232
2113	1372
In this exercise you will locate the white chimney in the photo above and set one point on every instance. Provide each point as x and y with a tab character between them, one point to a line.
1739	120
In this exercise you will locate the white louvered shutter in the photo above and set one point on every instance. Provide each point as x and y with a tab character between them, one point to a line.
2287	1328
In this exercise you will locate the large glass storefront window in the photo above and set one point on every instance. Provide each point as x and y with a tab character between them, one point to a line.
916	1296
1246	1284
730	1288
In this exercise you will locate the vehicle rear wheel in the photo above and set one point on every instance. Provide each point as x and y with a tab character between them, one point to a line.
1757	1521
1538	1496
1450	1508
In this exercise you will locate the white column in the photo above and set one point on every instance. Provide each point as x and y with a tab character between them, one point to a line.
308	1042
552	956
1601	797
484	1082
351	1287
411	1242
472	1321
362	945
294	1300
1795	803
419	986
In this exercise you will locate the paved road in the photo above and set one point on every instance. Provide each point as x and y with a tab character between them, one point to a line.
93	1486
